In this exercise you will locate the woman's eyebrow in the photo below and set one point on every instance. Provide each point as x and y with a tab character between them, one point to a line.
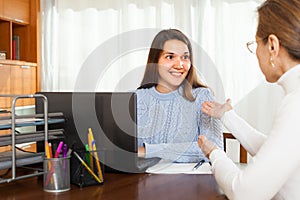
172	53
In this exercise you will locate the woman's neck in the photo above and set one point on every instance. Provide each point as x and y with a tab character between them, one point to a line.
163	89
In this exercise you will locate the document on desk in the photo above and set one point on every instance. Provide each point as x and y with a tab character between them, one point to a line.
165	167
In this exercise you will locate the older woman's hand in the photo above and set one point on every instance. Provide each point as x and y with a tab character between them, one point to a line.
206	146
215	109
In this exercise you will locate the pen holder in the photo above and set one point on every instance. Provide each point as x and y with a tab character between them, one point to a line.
57	174
80	175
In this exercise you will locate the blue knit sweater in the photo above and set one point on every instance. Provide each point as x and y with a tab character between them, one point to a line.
169	124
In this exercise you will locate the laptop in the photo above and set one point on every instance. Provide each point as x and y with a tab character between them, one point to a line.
112	119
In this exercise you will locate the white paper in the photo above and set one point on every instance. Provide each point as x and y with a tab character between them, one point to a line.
165	167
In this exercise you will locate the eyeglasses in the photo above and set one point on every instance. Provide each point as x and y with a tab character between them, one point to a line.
252	46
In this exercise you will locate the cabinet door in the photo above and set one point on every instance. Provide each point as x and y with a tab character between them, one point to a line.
17	82
16	10
23	81
5	82
1	8
29	83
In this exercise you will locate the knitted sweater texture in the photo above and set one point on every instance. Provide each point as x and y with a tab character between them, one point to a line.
169	124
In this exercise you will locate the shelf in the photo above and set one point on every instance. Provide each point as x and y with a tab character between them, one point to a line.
22	159
17	62
6	124
31	137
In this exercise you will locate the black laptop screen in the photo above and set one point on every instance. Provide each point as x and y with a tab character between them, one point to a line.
110	115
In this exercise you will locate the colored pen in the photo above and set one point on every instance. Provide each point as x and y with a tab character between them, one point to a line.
87	154
47	149
58	150
97	161
50	150
90	149
65	150
199	164
87	167
96	155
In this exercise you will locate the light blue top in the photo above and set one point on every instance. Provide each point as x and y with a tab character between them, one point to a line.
169	124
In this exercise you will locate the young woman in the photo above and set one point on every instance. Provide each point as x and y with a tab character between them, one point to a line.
169	102
275	170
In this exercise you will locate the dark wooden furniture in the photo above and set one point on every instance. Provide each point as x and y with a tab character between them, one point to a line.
243	152
123	186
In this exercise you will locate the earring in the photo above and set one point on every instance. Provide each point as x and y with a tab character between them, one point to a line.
272	63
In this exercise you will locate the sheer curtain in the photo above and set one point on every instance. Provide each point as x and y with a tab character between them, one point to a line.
90	45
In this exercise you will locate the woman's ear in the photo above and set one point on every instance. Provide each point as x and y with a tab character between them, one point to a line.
273	42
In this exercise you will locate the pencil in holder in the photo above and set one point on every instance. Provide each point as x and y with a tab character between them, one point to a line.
86	168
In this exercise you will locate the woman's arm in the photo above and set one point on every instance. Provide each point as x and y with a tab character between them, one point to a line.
276	162
185	151
176	152
250	138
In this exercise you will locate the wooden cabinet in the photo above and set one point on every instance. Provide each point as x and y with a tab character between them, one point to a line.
19	30
17	78
16	10
19	19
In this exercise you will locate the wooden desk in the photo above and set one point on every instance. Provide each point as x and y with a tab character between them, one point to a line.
123	186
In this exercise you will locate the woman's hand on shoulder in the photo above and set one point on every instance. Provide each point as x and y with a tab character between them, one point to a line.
215	109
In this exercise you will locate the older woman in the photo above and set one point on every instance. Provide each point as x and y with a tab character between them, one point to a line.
275	170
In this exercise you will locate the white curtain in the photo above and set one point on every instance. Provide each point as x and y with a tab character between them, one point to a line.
102	45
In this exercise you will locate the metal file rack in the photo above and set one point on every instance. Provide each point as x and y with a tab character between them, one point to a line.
17	138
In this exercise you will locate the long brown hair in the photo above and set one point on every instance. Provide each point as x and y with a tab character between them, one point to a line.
151	74
281	18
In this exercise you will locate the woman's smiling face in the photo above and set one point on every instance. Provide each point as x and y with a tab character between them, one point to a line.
173	65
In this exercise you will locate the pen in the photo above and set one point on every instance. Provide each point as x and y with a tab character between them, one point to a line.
199	164
96	156
87	167
58	149
48	155
65	150
47	149
90	139
50	150
87	154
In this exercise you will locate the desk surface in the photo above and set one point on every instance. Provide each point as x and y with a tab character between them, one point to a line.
123	186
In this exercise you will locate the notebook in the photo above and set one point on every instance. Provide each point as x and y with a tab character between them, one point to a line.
112	118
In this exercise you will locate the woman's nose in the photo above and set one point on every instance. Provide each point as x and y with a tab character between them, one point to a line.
179	64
